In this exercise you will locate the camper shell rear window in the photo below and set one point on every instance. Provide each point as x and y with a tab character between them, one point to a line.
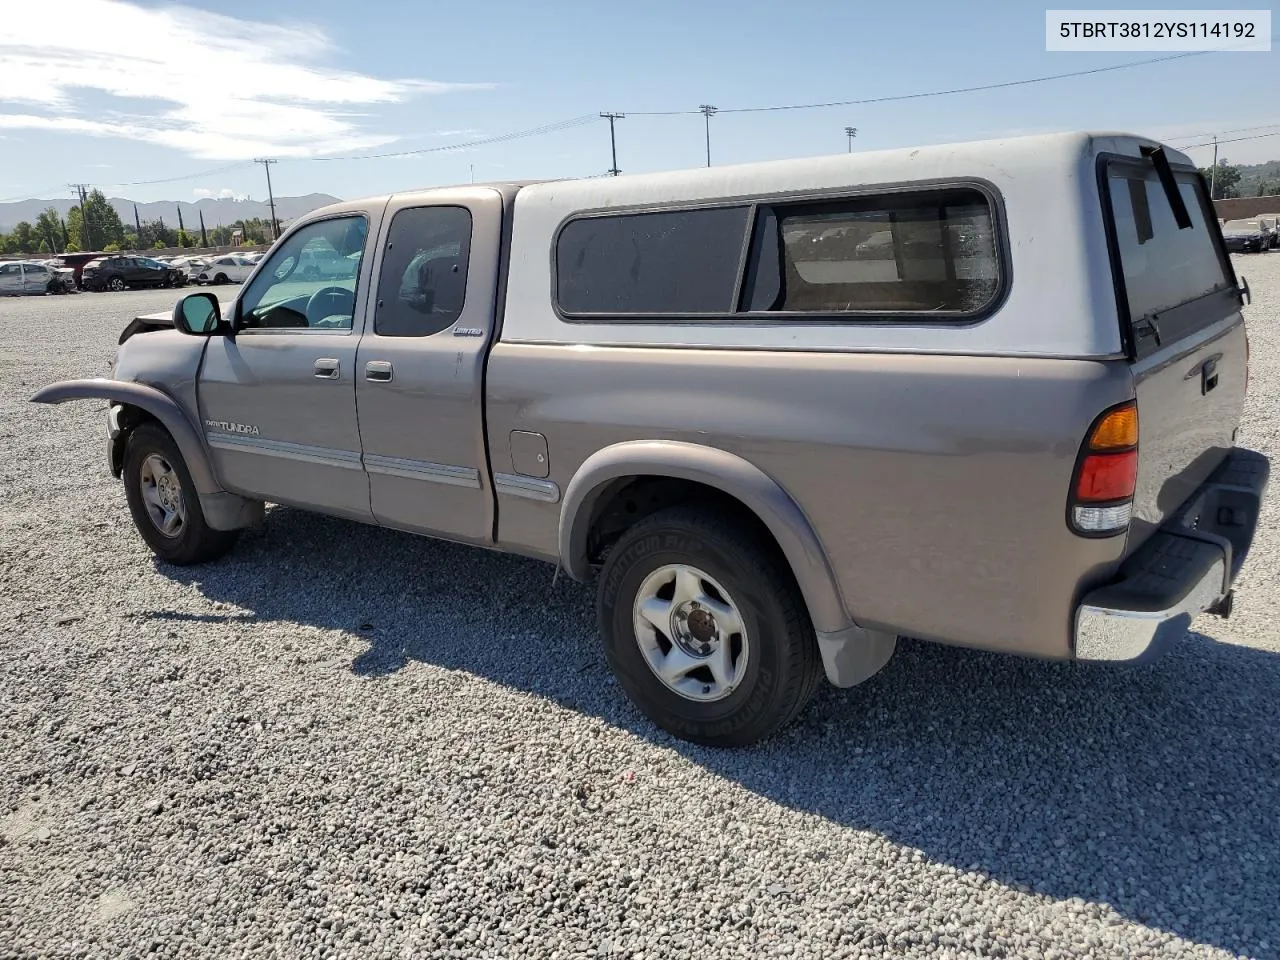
1170	281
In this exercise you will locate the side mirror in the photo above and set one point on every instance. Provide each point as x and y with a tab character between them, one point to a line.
197	315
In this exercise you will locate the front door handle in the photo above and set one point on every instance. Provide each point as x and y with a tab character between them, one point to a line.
378	371
327	369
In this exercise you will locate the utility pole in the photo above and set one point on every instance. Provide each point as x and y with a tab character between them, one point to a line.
1213	172
851	132
613	143
86	228
707	110
271	198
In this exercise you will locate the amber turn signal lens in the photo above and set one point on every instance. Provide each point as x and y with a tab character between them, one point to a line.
1117	430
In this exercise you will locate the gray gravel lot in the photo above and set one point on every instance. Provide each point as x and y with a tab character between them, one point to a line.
341	741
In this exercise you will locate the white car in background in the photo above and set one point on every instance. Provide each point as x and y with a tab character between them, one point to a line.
231	268
34	277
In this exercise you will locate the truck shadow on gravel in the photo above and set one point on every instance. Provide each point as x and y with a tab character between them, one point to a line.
1154	789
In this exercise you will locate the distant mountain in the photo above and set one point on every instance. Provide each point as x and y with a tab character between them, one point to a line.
215	211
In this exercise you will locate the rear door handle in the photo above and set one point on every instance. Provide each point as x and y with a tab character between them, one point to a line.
327	369
378	370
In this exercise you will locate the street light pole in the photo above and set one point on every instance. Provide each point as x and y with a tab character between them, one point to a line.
1213	172
707	110
851	132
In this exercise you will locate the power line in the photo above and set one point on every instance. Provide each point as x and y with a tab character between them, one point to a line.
186	176
1260	136
934	93
1211	133
501	138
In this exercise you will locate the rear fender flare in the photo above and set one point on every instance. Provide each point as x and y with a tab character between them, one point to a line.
723	471
155	402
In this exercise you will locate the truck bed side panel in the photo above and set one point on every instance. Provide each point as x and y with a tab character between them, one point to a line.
937	485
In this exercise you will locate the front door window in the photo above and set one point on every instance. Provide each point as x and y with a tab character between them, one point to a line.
310	279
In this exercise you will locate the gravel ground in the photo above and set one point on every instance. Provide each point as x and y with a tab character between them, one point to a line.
343	742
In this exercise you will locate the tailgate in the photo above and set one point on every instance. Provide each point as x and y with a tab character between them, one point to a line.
1181	322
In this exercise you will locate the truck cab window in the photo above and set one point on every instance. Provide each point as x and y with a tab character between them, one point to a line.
423	282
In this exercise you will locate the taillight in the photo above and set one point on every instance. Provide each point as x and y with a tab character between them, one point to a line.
1106	474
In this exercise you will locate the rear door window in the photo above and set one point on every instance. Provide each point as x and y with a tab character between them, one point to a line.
1164	268
423	282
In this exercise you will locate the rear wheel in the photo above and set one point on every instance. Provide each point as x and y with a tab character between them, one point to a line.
164	503
705	627
116	284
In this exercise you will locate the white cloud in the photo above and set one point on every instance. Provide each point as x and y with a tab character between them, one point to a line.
275	97
226	193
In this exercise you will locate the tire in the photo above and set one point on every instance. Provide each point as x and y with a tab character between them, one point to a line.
190	541
115	284
220	278
777	668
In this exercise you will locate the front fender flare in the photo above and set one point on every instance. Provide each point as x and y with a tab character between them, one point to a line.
721	470
155	402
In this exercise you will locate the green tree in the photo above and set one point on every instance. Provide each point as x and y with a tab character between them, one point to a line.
185	239
23	239
1226	180
111	248
97	224
49	227
157	235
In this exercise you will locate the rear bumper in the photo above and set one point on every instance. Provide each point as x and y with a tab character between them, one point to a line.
1186	568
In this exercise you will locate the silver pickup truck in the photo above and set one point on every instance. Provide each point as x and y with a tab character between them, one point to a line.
984	394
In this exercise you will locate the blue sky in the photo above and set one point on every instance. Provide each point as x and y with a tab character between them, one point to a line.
128	91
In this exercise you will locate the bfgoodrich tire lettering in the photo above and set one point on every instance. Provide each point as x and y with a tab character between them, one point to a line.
192	541
783	667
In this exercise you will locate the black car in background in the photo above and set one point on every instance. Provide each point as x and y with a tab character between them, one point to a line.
1246	236
122	272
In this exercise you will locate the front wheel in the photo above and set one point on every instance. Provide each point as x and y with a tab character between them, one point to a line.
115	284
164	503
220	278
705	628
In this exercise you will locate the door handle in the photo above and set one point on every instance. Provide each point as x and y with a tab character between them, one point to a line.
378	370
327	369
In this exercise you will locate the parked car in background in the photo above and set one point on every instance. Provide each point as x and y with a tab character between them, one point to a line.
123	272
32	277
75	262
254	257
191	266
1272	222
1246	236
231	268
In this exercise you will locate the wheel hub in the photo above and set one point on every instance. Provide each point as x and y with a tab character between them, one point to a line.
695	629
691	633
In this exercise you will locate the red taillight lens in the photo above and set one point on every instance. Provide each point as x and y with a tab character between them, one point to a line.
1107	476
